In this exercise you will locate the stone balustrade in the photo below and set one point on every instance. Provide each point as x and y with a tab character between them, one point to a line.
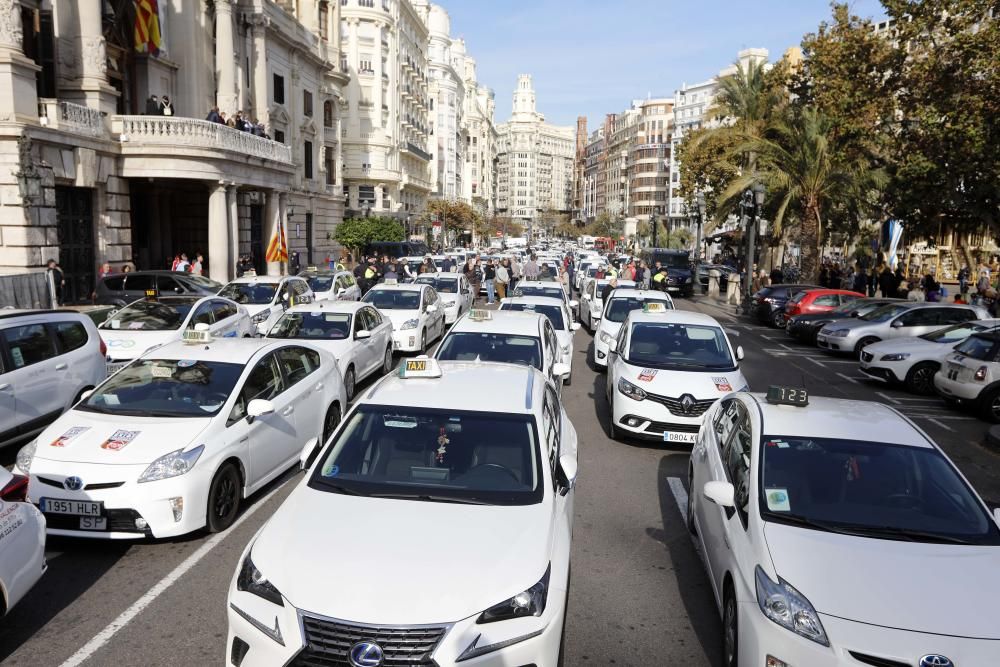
174	131
70	117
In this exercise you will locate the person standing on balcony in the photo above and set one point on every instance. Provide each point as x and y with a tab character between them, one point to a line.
166	108
213	115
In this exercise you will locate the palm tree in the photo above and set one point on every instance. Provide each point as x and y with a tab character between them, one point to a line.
749	99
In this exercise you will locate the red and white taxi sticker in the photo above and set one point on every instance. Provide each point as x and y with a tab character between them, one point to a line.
68	437
722	384
119	440
647	374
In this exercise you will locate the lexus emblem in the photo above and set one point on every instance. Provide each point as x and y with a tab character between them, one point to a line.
366	654
687	403
934	660
73	483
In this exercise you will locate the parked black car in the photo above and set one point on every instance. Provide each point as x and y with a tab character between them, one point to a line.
805	327
769	303
119	289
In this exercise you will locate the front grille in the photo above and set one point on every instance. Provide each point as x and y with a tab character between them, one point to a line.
662	427
329	642
90	487
675	407
876	661
867	356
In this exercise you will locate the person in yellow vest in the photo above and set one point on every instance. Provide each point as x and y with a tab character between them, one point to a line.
612	271
660	279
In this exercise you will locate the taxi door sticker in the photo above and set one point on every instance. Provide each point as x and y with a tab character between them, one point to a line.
119	440
68	437
647	374
722	384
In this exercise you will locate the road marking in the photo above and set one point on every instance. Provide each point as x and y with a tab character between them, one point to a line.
680	495
897	399
944	426
850	379
891	399
127	616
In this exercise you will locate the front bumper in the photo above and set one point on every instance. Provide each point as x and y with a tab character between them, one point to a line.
600	352
649	420
406	341
835	343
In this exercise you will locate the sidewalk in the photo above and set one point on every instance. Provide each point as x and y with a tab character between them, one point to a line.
716	307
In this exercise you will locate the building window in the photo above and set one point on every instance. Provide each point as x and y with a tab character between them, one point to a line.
307	151
330	164
279	136
307	103
328	113
279	89
343	63
366	195
365	65
324	20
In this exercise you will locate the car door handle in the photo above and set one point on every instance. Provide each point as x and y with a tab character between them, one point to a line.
61	367
245	438
318	387
287	411
4	387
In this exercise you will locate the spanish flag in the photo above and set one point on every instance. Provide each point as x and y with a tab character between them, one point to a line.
147	26
277	249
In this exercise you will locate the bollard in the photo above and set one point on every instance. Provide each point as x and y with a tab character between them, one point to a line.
713	283
733	291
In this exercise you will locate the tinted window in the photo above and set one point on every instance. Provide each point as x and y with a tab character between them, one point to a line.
535	290
385	299
470	346
885	313
297	363
919	317
248	293
139	283
977	347
165	284
619	307
149	316
264	382
312	326
321	283
554	313
952	334
29	344
114	283
827	300
955	315
221	310
71	335
202	316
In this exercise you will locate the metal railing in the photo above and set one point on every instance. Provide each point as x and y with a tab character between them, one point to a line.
174	131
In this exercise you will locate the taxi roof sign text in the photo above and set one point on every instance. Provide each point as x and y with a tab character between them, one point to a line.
654	308
421	367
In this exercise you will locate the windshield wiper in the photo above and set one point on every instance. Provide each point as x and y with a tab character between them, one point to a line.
894	532
338	488
798	520
430	498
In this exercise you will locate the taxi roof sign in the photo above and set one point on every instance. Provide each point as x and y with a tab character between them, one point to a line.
480	315
420	367
654	308
795	396
200	334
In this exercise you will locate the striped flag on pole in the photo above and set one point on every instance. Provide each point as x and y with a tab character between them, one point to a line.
147	26
277	249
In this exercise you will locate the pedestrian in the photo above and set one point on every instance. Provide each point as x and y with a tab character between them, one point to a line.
213	115
104	271
359	276
963	280
531	268
502	279
931	288
872	281
489	277
608	289
660	279
57	279
516	274
166	108
469	269
448	265
126	268
177	260
887	283
183	265
198	267
647	275
777	276
389	274
153	106
371	273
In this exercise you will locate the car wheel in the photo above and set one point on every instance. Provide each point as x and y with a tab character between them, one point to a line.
920	379
223	499
387	362
864	342
349	382
989	406
330	422
730	629
423	342
690	502
778	320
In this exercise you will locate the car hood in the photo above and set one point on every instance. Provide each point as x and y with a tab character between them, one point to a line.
911	344
126	345
254	308
674	384
678	273
398	317
400	562
854	324
114	439
942	589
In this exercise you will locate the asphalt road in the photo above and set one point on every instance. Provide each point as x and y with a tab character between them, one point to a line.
639	595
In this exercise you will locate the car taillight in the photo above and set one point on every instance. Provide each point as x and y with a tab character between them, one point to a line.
16	490
104	348
980	373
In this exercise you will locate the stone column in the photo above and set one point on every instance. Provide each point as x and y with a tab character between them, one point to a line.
18	95
90	86
260	105
234	230
218	234
225	58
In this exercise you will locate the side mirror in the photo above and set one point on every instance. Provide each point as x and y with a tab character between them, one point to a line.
722	494
432	309
854	313
341	291
739	353
560	370
87	394
307	451
897	324
566	473
179	290
575	326
284	296
258	407
361	335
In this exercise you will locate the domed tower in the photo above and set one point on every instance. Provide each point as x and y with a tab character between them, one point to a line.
524	97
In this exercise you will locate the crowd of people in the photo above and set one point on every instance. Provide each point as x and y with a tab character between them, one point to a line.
237	121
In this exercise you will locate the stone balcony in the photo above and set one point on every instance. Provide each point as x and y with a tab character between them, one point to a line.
70	117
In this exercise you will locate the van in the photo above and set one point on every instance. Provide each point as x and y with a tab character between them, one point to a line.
48	358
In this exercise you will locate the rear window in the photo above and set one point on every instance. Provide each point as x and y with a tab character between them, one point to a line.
977	347
114	283
71	335
28	345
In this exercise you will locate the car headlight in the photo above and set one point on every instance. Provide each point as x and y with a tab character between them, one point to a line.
840	333
898	356
25	456
607	338
788	608
530	602
630	390
252	580
171	465
261	316
410	324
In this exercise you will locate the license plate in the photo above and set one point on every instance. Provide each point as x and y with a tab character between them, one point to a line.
673	289
114	367
93	523
680	437
77	507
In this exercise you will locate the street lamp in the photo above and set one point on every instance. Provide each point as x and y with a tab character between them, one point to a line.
753	201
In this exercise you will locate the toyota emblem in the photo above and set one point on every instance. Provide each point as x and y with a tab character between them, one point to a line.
73	483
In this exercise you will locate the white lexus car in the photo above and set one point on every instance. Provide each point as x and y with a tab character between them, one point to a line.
837	533
622	302
22	541
667	369
174	442
558	314
267	297
415	311
464	503
145	324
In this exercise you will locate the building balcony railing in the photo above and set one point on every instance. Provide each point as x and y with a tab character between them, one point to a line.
172	131
70	117
409	147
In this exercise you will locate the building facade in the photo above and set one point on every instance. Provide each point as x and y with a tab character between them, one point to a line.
650	158
98	174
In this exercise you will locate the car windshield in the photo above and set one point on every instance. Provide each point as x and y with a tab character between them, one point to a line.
442	285
952	334
671	346
256	294
320	283
554	313
554	292
484	346
870	488
312	326
389	299
433	455
621	306
149	316
165	388
885	313
977	347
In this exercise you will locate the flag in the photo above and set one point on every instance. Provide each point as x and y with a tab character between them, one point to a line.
277	249
147	26
895	235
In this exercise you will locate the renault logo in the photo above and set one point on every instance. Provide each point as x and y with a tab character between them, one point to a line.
73	483
687	403
935	660
366	654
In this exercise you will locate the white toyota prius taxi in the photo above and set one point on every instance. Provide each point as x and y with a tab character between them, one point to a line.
174	441
667	369
836	533
433	529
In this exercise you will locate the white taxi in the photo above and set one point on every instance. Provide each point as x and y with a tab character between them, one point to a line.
173	442
415	311
558	314
145	324
332	285
622	302
22	541
547	288
584	269
446	485
592	300
454	291
667	369
356	334
506	337
267	297
970	374
827	525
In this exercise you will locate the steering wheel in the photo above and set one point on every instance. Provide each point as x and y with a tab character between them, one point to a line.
495	466
902	500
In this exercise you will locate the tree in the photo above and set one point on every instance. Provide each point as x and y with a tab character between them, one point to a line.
455	216
356	233
708	164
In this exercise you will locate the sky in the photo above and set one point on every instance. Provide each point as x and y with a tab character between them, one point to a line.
592	57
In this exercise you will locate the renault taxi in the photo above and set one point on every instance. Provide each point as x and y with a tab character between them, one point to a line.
622	302
174	442
826	526
464	504
147	323
592	300
558	314
267	297
666	370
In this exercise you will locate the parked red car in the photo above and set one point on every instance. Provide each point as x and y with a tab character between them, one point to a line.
818	301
